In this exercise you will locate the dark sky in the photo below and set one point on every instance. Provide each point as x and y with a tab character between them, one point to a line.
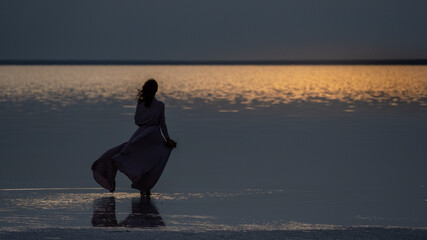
212	29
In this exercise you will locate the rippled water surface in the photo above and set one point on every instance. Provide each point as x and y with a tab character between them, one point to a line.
258	146
252	86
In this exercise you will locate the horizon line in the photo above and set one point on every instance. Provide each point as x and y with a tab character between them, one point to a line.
217	62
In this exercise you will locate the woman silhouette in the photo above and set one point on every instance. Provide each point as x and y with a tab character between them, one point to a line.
145	155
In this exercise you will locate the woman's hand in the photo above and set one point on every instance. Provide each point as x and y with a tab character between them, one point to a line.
170	143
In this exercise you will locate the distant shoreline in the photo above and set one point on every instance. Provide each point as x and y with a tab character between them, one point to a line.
266	62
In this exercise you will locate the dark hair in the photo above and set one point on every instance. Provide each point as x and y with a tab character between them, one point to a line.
147	92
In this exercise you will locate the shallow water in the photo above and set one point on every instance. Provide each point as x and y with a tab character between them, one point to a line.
243	210
335	145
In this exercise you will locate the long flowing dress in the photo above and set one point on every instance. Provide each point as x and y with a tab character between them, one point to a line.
142	158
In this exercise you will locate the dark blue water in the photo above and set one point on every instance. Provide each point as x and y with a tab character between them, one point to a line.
326	148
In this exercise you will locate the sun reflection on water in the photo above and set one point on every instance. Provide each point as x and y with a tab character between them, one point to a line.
252	86
47	208
77	200
166	211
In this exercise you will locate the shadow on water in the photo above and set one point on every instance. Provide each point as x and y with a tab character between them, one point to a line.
144	214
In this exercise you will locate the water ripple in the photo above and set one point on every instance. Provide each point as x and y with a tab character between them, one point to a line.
250	86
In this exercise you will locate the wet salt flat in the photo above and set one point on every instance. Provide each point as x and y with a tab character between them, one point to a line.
329	149
70	213
250	213
77	208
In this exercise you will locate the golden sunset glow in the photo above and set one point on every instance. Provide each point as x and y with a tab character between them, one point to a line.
249	85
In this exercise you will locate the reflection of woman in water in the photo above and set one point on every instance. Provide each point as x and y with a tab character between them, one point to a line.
144	214
145	155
